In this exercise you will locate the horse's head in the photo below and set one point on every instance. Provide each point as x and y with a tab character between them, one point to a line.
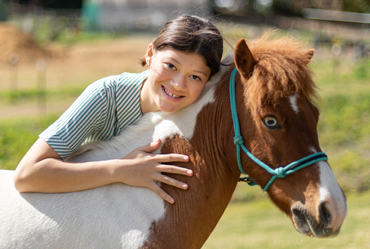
278	123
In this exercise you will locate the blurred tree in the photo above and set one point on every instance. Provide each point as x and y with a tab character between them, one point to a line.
294	7
361	6
4	10
51	4
326	4
62	4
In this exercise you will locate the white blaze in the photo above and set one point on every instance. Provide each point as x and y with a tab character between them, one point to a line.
293	103
332	195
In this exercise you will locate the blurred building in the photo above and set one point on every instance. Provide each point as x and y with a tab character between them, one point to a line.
137	14
115	15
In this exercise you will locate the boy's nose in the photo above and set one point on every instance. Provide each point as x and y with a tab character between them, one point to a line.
178	82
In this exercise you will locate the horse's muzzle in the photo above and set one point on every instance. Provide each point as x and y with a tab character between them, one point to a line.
305	223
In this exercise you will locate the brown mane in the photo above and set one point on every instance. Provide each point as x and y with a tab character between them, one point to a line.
281	70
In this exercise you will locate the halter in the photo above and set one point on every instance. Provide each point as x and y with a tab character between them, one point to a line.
280	172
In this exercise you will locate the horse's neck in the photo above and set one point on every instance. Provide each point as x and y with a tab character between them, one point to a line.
197	210
201	131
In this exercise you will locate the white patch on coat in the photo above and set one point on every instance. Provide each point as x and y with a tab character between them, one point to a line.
112	216
332	195
293	102
313	150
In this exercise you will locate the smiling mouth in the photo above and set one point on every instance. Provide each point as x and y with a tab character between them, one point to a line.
170	94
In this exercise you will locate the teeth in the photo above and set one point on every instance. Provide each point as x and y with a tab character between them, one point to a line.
169	93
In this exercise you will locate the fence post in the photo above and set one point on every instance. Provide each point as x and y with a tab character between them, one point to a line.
41	86
13	79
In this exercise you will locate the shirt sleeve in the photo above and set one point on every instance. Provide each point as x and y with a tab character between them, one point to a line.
86	116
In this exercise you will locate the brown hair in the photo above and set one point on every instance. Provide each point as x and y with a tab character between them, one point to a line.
281	70
192	34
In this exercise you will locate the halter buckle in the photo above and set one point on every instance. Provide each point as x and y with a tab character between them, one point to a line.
248	180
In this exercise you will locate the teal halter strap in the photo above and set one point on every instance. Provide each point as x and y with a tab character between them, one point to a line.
280	172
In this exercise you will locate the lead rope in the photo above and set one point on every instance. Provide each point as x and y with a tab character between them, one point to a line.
279	172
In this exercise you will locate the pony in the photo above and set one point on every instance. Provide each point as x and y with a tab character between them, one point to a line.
277	120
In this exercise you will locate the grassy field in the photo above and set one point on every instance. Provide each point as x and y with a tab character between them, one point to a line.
344	129
17	136
259	224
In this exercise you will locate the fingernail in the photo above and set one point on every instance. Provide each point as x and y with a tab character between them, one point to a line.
184	186
186	157
189	172
172	201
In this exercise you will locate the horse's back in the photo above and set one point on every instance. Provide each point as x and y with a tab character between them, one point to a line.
113	216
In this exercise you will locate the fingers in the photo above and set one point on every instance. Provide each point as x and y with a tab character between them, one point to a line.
164	158
151	169
170	181
151	147
167	158
174	170
161	193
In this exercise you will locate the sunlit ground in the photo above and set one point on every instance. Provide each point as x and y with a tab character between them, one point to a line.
259	224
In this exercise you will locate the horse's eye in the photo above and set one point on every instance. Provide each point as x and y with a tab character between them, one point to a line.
271	123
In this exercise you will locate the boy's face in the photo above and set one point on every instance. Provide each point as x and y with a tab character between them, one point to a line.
176	79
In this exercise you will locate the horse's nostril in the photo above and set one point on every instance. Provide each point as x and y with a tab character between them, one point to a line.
325	216
301	221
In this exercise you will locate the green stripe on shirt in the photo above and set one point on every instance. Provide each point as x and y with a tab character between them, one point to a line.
101	112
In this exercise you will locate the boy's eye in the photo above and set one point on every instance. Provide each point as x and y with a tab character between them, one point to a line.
171	66
194	77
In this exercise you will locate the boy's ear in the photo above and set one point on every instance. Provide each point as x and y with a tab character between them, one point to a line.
149	53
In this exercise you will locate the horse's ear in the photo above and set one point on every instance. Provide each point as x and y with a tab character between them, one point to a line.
243	58
309	55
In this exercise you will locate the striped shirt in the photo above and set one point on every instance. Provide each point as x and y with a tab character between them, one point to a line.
101	112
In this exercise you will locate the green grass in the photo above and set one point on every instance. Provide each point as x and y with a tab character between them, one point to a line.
260	224
17	136
33	94
344	129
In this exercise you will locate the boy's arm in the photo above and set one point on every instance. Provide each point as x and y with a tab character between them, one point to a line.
42	170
